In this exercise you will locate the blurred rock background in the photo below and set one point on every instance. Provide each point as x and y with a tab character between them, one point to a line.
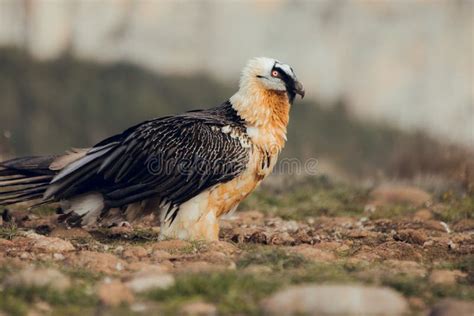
390	83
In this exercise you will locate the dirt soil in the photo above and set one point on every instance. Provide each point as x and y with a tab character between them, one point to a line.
47	269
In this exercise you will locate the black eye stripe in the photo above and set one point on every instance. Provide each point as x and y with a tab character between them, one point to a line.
280	71
282	74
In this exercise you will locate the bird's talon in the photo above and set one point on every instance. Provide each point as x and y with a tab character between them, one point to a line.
125	224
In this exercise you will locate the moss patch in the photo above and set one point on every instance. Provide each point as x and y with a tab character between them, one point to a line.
232	292
276	259
458	207
314	196
9	231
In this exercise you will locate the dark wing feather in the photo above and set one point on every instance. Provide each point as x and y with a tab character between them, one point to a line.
173	158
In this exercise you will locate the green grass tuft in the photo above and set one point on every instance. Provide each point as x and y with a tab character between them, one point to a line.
458	207
232	292
12	305
315	196
392	211
76	295
44	210
9	231
276	259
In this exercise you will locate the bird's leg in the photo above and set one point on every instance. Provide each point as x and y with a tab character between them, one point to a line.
194	221
206	228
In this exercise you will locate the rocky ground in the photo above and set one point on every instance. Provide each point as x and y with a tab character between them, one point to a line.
318	248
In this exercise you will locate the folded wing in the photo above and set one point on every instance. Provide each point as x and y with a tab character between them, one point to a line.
173	158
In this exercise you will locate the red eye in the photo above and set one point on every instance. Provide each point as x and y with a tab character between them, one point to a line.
275	73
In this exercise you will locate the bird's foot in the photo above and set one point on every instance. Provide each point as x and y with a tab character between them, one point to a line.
124	224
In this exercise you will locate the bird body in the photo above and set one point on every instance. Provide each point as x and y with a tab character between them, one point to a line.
190	168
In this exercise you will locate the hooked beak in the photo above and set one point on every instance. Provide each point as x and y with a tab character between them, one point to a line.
299	89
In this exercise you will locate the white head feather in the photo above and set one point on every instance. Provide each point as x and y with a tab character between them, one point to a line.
259	71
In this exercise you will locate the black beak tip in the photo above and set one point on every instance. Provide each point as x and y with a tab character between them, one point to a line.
299	89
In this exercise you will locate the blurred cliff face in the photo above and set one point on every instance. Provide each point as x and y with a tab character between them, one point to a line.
406	62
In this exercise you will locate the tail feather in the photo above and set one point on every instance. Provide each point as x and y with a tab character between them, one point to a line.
7	172
24	179
15	177
30	165
22	199
17	191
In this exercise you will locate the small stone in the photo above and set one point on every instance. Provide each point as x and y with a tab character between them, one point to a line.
398	251
250	216
312	253
464	225
365	254
435	225
452	307
416	303
138	266
135	252
114	293
6	244
118	250
446	227
446	277
223	247
428	243
258	269
216	257
160	255
423	214
411	268
67	233
257	236
290	226
120	231
43	307
49	244
172	245
33	277
24	255
143	282
198	309
283	238
411	236
201	267
119	266
392	194
452	245
330	245
336	300
358	234
58	256
138	307
98	262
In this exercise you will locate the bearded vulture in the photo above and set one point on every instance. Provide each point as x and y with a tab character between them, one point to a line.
190	168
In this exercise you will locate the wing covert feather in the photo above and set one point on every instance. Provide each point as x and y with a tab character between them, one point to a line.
174	158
